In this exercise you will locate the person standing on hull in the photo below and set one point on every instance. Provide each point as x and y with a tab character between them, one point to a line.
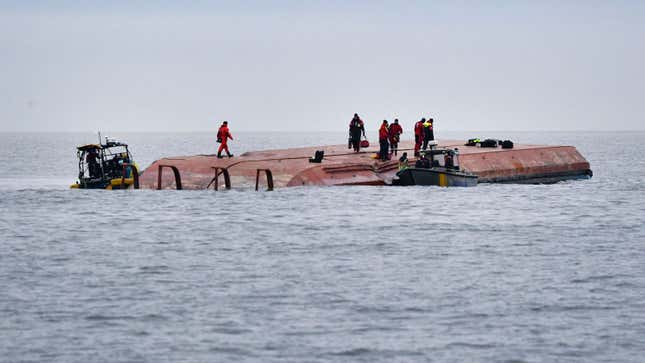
427	133
356	129
223	134
383	135
418	136
395	136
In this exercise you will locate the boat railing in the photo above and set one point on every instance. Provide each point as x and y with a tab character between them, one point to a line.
269	176
174	170
215	181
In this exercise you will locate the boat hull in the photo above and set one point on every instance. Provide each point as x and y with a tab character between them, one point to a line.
291	167
435	176
108	184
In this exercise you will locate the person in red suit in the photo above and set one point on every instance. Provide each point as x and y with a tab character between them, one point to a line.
418	136
383	135
395	135
223	134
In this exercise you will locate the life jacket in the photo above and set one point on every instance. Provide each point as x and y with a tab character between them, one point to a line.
395	130
427	125
403	164
383	133
223	134
418	128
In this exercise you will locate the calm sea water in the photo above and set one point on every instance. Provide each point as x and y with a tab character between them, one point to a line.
522	273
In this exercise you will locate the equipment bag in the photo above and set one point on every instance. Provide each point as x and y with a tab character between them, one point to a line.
507	144
488	143
365	143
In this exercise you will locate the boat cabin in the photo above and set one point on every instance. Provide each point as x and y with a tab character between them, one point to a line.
446	158
104	166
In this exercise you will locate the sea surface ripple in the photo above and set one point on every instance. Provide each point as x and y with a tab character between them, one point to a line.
507	273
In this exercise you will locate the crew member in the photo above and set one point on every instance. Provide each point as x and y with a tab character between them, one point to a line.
418	135
395	136
448	161
422	162
356	129
427	133
403	161
383	135
92	163
223	134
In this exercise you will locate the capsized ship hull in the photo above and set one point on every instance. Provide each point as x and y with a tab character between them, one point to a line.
340	166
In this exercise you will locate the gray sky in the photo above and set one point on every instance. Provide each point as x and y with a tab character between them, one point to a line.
298	65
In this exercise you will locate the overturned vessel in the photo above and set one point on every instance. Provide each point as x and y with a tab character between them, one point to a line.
335	165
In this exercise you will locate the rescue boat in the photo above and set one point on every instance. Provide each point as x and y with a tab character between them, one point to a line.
106	165
438	176
439	167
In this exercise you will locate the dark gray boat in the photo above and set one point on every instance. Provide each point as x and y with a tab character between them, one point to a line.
438	176
438	167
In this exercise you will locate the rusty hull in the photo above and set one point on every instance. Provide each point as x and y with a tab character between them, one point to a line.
340	166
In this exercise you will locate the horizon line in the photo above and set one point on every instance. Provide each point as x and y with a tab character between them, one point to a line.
293	131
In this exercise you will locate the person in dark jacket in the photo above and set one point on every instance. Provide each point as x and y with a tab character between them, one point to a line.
448	160
428	134
356	129
93	164
422	162
383	135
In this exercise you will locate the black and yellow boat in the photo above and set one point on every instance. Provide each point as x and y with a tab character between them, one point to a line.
438	176
106	165
439	167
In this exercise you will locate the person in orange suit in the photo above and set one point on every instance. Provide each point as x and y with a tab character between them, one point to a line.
383	135
395	136
418	136
223	134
